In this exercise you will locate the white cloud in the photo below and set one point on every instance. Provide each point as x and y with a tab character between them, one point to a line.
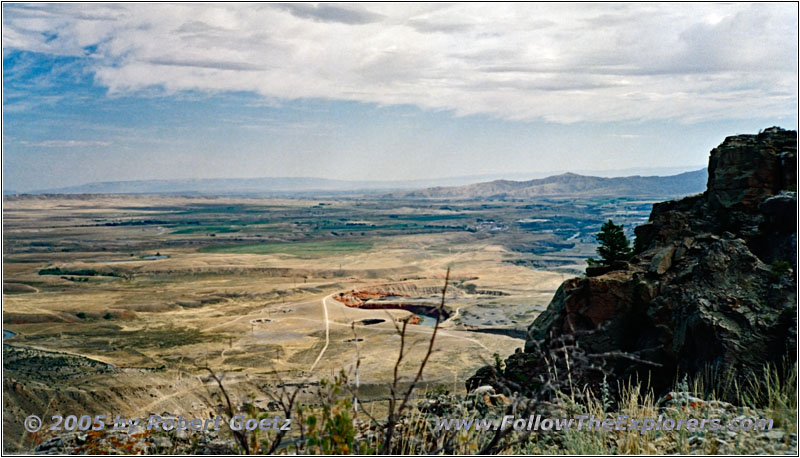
554	62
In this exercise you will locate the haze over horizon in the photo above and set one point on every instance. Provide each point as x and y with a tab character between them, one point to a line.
305	183
112	92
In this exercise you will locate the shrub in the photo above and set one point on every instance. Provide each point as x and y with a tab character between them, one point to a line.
614	246
779	269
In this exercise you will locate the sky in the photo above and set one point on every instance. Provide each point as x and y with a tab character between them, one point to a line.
108	92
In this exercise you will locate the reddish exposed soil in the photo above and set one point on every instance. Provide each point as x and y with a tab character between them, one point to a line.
358	299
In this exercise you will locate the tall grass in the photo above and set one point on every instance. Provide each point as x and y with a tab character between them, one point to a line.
330	424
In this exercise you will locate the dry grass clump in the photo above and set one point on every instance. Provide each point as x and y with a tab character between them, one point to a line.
770	394
333	423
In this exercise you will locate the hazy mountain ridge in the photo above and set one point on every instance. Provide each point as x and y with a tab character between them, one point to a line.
265	185
465	187
202	185
570	184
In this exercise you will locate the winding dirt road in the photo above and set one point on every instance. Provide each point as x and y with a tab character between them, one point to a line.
327	331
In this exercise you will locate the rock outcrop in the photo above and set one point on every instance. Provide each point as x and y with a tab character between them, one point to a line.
711	289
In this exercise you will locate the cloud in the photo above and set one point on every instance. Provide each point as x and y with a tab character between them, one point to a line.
553	62
65	143
329	13
205	63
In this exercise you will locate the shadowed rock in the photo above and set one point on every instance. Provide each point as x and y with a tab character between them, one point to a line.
705	290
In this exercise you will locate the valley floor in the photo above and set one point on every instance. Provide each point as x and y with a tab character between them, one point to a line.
142	292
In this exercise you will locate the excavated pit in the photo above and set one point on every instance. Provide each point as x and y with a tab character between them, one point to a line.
393	297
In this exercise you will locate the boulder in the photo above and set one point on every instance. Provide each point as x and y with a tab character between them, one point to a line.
662	260
746	169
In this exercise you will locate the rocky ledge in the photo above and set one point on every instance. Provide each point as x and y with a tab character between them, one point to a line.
711	289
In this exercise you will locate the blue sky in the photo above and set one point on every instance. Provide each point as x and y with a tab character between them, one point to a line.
119	92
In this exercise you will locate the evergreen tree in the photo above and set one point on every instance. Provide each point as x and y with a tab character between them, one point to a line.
614	246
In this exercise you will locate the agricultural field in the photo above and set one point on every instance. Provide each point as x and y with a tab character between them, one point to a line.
119	303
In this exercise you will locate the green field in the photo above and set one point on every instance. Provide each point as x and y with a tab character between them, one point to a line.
301	249
216	229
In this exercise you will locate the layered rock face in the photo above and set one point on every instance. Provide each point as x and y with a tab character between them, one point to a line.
712	287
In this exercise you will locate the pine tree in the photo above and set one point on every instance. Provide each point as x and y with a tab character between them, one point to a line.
614	246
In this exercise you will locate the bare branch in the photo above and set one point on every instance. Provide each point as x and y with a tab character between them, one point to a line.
238	435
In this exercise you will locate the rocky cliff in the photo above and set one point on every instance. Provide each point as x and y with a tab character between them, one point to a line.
712	287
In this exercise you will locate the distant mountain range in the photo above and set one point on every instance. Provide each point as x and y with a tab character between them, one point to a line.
248	186
467	187
213	186
571	185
